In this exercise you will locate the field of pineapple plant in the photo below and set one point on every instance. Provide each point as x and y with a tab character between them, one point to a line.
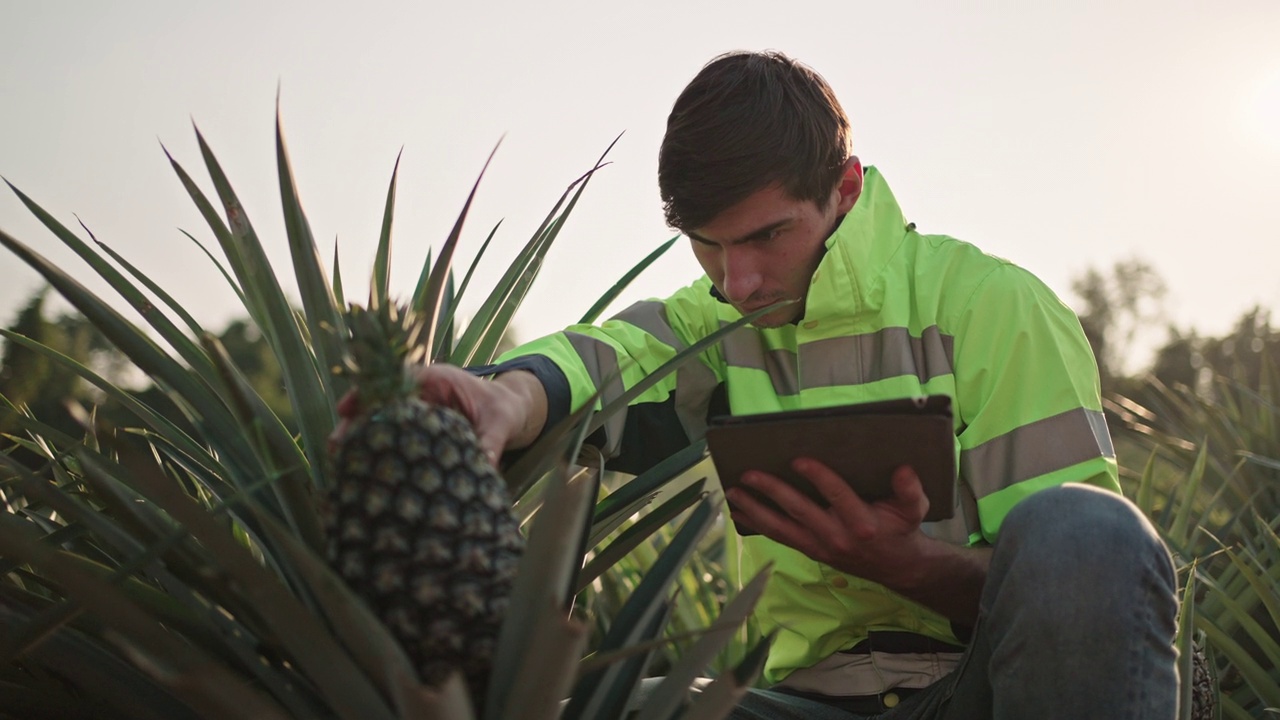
203	559
208	548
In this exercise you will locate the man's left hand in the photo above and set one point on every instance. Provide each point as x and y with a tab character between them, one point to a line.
879	541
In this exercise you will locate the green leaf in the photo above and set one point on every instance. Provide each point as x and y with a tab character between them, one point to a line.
323	312
641	530
613	292
187	673
313	405
1186	625
139	302
244	302
381	283
485	320
546	676
668	696
191	395
546	570
445	333
148	283
1182	521
725	692
617	404
642	489
287	464
434	291
311	648
636	616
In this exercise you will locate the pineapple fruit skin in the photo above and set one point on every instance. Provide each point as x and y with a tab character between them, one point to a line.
419	524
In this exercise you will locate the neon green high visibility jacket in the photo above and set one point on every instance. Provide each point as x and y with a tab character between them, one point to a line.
890	313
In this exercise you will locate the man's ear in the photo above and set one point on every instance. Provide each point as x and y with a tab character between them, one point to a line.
850	185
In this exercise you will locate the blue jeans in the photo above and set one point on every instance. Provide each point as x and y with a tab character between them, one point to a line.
1077	622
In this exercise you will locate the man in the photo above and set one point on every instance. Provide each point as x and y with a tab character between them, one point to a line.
1046	596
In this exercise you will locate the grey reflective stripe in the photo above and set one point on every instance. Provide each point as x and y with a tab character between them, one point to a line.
601	362
744	348
694	380
849	360
891	352
1033	450
651	317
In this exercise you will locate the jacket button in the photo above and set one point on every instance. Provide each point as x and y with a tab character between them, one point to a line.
811	324
839	581
890	700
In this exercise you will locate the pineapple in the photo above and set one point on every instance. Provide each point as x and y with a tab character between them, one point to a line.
417	520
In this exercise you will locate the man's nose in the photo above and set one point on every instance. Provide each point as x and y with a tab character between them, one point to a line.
742	276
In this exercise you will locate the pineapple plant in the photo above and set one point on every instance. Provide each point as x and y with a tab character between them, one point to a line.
185	568
418	522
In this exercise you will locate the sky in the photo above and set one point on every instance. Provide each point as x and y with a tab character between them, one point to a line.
1061	136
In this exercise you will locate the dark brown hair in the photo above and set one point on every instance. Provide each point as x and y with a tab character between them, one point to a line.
746	121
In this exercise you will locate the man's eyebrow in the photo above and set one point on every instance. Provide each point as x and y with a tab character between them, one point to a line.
758	233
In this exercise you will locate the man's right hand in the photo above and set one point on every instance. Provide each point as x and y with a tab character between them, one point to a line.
507	411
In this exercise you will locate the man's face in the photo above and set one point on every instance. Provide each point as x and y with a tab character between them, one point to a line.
766	248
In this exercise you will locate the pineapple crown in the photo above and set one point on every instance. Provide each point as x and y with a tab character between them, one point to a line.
383	346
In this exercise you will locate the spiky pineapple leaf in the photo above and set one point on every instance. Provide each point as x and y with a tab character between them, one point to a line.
121	284
640	531
202	406
641	490
636	616
541	684
380	283
545	572
1186	630
105	685
311	398
321	310
432	295
716	700
497	325
310	646
485	321
193	456
190	675
192	326
235	287
624	399
612	293
445	332
371	644
666	699
287	463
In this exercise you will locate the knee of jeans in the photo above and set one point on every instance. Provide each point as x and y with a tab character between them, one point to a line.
1089	525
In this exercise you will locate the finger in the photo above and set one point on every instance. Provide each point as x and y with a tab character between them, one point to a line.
909	495
748	511
855	513
492	444
795	504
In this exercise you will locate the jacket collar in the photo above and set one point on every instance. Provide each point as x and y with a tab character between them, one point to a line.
848	279
870	234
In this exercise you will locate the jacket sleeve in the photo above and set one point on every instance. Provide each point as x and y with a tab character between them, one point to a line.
616	355
1027	390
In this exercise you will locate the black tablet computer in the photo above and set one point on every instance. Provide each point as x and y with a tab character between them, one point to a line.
864	443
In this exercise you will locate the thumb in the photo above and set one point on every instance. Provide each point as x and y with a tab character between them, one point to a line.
492	444
909	491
